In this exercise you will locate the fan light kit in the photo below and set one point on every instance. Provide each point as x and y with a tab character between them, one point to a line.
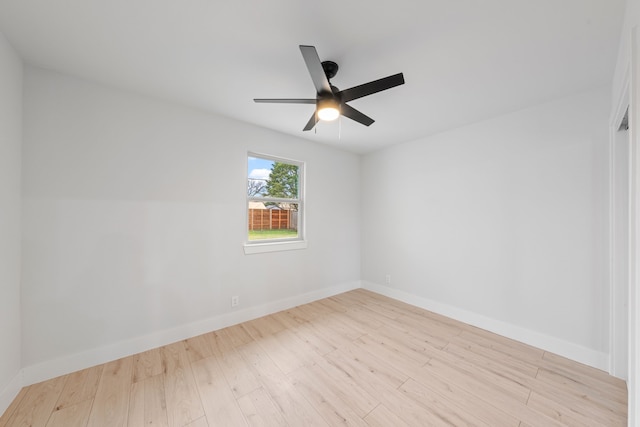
331	102
328	109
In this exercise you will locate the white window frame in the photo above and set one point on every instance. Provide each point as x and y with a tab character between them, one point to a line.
276	245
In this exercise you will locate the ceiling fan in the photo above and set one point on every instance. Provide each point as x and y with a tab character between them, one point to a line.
330	101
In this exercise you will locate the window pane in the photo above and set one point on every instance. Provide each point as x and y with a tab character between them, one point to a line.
269	178
258	175
276	221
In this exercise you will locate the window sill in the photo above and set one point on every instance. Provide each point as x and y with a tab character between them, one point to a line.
258	248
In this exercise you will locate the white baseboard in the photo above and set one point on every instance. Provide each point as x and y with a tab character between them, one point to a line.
10	392
74	362
555	345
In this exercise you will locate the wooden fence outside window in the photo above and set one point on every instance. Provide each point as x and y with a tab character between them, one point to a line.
273	219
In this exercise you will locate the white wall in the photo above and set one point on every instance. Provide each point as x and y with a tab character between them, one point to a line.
134	223
10	208
501	223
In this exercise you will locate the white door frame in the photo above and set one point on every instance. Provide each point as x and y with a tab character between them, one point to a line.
628	97
634	234
619	206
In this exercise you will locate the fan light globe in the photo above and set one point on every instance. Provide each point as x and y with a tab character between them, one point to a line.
328	110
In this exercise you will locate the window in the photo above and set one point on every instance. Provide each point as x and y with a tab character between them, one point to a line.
274	204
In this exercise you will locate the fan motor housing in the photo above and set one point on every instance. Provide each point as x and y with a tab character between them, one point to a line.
330	69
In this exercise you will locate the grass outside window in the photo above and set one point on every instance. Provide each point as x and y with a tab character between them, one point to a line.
272	234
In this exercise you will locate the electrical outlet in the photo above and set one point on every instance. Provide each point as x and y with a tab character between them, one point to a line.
235	300
387	279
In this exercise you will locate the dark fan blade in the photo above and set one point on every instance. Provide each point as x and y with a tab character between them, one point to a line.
311	123
314	66
353	114
371	87
286	101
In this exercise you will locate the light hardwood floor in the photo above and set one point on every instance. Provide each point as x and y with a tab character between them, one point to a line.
357	359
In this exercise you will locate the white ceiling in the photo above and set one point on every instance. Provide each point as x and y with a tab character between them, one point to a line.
463	60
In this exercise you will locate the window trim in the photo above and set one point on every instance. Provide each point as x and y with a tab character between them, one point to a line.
277	245
274	246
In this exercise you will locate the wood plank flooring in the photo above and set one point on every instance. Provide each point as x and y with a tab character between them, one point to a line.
356	359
